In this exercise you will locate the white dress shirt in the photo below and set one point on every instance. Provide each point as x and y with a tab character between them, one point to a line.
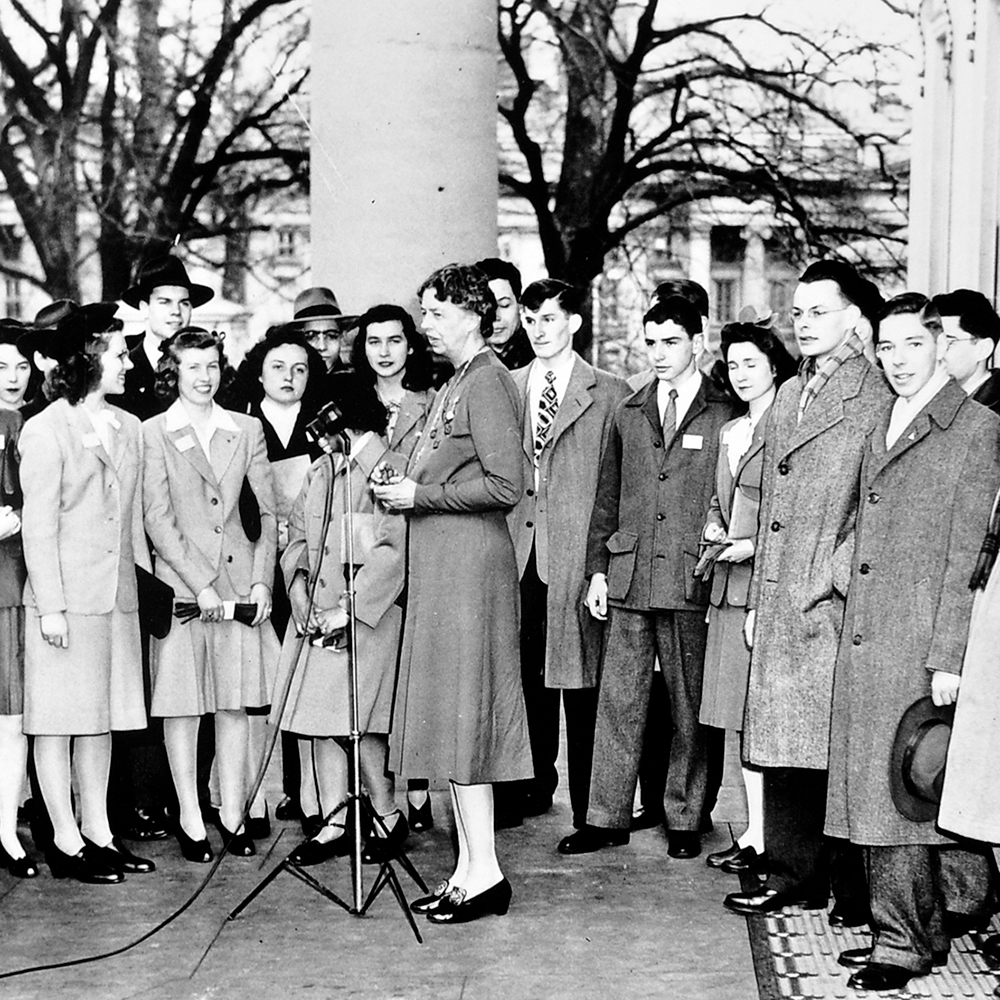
686	392
905	409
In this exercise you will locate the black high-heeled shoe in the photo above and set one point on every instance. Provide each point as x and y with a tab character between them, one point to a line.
22	867
315	852
379	849
456	908
82	866
198	851
420	818
259	827
240	845
428	904
119	858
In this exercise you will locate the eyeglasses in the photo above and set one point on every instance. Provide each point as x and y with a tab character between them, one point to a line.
813	314
950	341
322	335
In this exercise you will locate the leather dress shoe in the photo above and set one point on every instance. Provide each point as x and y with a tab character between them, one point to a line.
764	900
143	825
878	976
647	819
990	950
22	867
420	818
683	844
427	904
82	866
198	851
119	858
840	916
315	852
592	838
719	858
379	849
747	860
856	958
259	827
457	908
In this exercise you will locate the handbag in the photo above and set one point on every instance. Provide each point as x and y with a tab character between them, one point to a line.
249	511
156	603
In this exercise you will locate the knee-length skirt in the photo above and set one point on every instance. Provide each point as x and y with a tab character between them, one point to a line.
92	686
727	669
11	661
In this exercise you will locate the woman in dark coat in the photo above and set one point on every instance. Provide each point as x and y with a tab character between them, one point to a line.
459	711
757	363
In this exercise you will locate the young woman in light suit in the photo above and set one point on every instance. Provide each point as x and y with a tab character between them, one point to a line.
81	465
197	458
758	363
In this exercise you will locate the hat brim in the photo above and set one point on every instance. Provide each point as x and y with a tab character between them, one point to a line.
919	715
340	319
200	294
34	340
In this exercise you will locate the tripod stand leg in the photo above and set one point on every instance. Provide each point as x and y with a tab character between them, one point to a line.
258	889
387	876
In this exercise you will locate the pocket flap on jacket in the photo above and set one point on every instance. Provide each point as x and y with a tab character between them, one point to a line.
622	541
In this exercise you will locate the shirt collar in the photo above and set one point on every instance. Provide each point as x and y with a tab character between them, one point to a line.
970	385
915	403
219	420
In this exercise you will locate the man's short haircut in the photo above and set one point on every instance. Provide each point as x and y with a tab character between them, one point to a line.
539	292
675	309
496	269
975	314
856	290
684	288
910	304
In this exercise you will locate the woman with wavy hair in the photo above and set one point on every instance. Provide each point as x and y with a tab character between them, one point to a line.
81	467
200	458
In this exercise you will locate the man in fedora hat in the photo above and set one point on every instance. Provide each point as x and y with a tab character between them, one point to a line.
165	296
930	468
323	323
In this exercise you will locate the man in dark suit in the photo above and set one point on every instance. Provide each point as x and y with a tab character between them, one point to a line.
971	329
656	482
508	340
165	296
568	408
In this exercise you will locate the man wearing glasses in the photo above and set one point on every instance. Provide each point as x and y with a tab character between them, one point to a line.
814	443
971	329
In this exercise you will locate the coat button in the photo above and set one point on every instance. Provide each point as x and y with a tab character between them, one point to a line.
864	569
529	524
857	640
660	517
322	583
783	468
215	501
776	526
229	559
663	476
873	498
529	493
657	444
218	529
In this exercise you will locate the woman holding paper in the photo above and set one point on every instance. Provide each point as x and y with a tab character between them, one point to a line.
199	458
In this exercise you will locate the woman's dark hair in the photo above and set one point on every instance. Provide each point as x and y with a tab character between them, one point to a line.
467	287
10	333
418	375
766	341
79	372
246	387
188	338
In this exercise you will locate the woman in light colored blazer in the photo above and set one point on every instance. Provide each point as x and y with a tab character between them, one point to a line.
81	465
389	354
198	457
758	362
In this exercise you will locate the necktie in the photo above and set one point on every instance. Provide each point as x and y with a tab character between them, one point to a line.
670	416
548	403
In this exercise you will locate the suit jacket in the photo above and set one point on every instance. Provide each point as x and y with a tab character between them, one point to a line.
414	409
192	507
651	501
988	394
736	509
926	508
554	517
139	396
82	517
802	566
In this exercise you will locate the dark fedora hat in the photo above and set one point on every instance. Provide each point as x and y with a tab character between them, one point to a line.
165	270
70	335
37	335
319	303
916	764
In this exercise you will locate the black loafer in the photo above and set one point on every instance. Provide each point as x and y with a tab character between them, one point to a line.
877	977
81	866
314	852
592	838
427	904
857	958
456	908
719	858
118	857
683	844
763	900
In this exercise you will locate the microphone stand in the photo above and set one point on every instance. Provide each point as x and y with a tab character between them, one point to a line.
386	874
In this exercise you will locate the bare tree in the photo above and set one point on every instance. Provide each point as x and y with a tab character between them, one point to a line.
131	123
637	112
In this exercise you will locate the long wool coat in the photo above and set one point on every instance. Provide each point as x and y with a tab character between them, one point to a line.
924	509
554	515
810	494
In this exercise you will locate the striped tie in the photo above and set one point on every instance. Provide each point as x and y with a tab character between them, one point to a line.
548	403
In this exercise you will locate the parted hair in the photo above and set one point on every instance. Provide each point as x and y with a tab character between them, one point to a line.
79	372
188	338
675	309
539	292
766	341
249	374
419	372
466	286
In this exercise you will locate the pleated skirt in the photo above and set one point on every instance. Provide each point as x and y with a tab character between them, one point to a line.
11	661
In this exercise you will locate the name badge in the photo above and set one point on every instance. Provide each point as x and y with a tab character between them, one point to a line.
693	441
91	441
185	443
3	440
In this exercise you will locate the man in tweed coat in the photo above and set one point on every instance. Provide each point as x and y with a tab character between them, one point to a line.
817	427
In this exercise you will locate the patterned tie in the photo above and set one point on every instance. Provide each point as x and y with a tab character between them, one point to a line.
548	403
670	416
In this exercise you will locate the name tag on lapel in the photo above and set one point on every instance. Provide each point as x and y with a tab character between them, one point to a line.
90	441
3	440
693	441
185	443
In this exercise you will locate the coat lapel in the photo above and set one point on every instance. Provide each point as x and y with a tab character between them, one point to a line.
576	400
187	446
827	409
520	377
412	409
224	445
88	437
756	445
